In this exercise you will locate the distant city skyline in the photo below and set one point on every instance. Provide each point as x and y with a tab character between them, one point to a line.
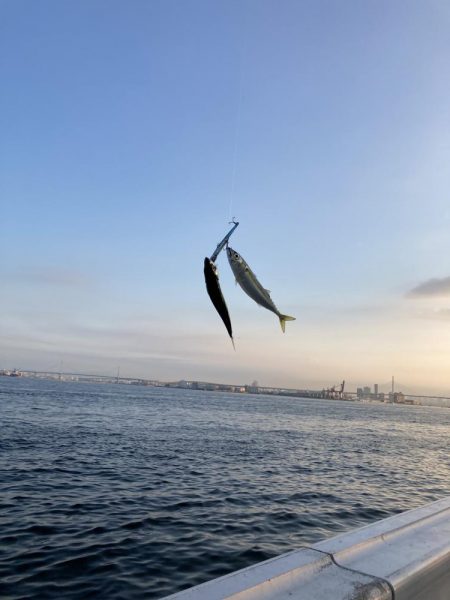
133	132
351	387
333	393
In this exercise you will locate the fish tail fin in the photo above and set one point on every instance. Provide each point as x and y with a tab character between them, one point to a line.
283	319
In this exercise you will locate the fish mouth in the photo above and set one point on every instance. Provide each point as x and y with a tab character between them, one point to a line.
233	255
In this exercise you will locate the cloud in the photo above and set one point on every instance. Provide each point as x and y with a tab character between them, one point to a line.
431	287
440	314
56	276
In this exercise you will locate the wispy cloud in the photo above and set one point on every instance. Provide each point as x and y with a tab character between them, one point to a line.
440	314
431	287
47	275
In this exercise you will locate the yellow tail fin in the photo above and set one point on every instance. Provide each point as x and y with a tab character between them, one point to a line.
283	319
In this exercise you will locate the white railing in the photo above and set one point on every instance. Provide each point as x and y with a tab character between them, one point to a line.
404	557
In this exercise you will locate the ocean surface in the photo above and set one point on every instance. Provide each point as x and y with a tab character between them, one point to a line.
122	492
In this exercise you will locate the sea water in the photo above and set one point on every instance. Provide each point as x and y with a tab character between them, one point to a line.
126	492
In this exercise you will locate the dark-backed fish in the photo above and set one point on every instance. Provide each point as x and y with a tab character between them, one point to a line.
215	293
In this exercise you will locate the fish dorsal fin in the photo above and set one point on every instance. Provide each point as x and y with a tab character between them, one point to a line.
268	291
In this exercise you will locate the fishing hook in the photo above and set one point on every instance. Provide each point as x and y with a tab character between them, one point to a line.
222	244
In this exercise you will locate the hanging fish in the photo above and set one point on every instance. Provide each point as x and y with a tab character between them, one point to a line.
215	293
251	286
213	285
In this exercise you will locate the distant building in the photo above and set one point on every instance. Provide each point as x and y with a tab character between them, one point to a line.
366	390
397	397
252	389
359	392
375	389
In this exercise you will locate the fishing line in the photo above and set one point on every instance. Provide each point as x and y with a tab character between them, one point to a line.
236	138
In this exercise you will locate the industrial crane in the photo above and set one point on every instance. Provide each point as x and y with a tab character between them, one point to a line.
333	394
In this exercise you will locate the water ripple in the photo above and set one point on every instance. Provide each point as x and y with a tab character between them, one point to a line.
123	492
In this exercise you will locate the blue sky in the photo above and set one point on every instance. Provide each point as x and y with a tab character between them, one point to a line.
133	131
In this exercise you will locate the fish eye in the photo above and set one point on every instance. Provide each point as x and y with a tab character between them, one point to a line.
236	255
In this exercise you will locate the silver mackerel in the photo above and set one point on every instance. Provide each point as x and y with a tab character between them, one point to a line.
252	287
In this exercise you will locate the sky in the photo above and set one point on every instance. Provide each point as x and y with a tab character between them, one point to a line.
133	131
